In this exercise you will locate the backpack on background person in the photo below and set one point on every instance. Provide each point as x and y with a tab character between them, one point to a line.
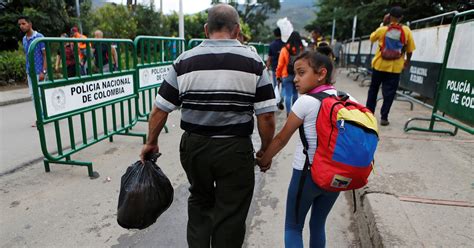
290	68
393	42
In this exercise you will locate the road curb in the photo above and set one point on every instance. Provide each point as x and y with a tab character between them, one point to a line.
15	101
374	211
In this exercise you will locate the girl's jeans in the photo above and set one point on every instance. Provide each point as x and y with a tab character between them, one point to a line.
289	92
320	202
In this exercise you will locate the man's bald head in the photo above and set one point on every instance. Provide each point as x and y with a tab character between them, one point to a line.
98	34
222	17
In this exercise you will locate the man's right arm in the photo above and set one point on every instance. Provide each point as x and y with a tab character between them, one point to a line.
374	36
156	123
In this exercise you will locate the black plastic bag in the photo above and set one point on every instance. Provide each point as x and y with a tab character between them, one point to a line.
145	193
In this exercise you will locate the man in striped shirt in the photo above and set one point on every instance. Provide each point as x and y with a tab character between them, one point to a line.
219	85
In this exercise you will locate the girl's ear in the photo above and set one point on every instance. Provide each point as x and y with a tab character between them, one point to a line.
323	72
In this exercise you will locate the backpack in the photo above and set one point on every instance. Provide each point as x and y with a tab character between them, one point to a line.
394	42
290	68
347	136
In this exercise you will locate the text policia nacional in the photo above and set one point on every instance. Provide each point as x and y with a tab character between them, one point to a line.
97	91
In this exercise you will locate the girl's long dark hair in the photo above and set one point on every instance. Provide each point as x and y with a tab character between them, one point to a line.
294	42
317	61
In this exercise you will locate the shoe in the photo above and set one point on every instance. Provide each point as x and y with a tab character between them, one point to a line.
384	122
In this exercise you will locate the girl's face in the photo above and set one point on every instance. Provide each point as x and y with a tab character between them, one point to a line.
306	78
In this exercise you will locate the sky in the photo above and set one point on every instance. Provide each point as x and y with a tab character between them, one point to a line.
189	6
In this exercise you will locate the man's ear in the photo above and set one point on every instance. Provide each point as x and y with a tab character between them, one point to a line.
236	31
206	31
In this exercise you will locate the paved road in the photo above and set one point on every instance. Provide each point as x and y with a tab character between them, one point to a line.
66	208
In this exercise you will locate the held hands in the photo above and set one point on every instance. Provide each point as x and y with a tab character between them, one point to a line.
264	164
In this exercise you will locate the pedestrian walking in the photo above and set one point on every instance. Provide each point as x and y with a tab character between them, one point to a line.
70	58
272	60
102	50
337	50
218	85
82	49
316	38
285	72
39	54
394	51
313	74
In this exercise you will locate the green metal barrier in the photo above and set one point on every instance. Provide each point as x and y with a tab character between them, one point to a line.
262	49
194	43
155	55
455	91
99	100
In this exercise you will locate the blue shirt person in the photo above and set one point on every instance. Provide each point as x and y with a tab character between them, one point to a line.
39	53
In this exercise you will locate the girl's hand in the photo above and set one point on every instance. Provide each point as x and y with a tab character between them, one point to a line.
263	164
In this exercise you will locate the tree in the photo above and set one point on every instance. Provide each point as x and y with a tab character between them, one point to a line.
146	17
370	13
116	21
254	14
194	25
48	17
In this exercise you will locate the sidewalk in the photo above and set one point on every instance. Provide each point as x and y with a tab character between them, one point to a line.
396	209
14	96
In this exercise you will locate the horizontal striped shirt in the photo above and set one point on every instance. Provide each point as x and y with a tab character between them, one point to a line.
219	85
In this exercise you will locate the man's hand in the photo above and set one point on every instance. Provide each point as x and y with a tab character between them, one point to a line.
41	76
279	79
264	165
147	150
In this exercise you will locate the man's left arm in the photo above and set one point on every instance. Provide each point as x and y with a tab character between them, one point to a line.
265	106
266	130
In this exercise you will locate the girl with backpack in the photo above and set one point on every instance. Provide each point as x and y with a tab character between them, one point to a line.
313	74
285	71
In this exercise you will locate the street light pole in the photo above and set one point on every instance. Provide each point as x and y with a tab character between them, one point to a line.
78	10
354	25
333	29
181	20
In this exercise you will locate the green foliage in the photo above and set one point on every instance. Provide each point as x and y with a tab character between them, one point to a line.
254	14
49	17
370	14
146	18
12	66
194	25
115	21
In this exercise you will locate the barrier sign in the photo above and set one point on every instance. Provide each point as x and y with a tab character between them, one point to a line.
456	92
153	76
365	53
77	96
425	65
353	52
